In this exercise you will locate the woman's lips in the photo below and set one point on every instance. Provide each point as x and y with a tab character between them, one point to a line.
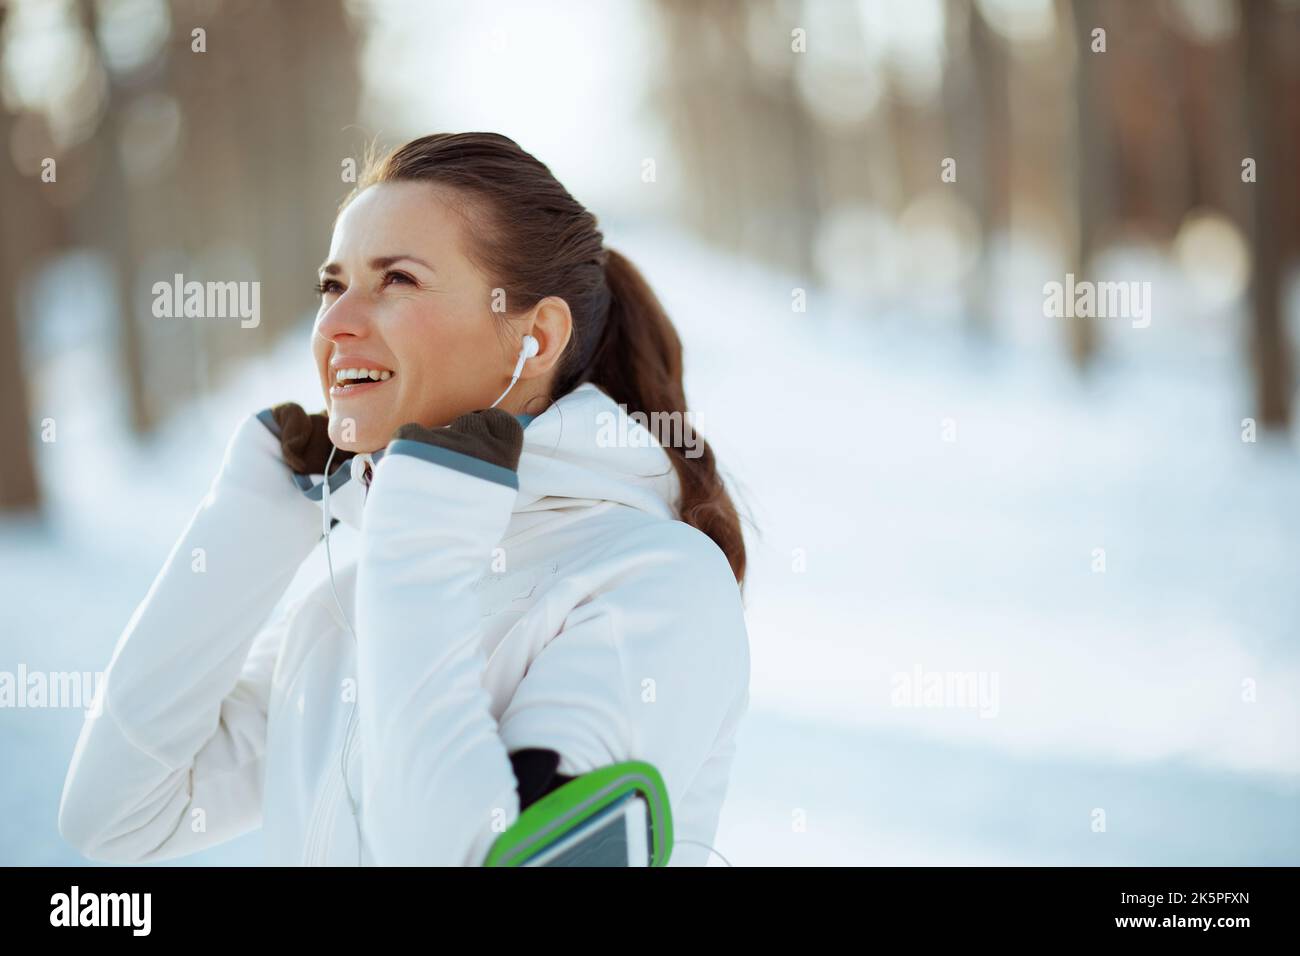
348	391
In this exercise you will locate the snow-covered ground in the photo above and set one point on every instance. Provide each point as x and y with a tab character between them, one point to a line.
927	508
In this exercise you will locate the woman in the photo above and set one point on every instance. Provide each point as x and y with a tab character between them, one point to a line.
531	600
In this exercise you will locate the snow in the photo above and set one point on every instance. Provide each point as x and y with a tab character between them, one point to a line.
1163	691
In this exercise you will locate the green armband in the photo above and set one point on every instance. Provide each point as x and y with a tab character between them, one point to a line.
615	816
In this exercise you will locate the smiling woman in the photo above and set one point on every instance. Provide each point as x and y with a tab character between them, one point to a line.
385	306
458	269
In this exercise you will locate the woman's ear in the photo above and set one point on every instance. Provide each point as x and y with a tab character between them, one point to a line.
552	326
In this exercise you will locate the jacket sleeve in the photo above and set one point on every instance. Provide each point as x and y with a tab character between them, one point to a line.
653	666
647	669
169	760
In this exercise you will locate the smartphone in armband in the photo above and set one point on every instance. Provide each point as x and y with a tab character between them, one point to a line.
615	816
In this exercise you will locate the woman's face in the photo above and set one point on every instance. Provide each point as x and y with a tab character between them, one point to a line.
402	303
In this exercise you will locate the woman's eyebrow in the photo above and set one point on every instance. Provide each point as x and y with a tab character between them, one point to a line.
380	262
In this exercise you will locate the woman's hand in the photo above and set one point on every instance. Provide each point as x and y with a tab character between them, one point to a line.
305	443
490	435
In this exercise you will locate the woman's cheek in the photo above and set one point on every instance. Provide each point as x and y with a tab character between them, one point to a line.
412	403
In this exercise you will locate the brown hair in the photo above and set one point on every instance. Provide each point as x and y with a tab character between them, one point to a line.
534	239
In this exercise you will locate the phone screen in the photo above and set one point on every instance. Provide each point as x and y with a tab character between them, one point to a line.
617	836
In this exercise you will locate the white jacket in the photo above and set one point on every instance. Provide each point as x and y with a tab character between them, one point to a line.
574	614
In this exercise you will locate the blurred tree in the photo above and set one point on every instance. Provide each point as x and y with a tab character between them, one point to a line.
1271	33
25	231
1094	166
751	156
18	488
1211	82
1140	81
977	108
104	221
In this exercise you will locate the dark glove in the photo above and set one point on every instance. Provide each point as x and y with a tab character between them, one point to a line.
304	439
490	435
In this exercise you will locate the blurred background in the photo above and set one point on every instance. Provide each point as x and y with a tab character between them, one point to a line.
852	211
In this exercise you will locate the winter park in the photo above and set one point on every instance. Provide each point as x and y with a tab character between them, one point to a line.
989	327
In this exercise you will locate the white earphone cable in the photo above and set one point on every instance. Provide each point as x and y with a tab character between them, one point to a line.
706	846
347	733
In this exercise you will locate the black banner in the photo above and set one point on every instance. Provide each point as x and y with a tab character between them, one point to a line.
235	905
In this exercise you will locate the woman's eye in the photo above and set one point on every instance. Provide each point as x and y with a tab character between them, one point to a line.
333	287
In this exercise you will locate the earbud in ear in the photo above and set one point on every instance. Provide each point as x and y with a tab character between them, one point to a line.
527	349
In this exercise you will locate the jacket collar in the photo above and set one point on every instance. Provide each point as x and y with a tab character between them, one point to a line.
582	451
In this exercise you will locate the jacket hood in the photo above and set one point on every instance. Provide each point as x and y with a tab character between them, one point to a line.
582	451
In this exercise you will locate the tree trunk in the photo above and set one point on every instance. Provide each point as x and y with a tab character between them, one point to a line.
1272	200
18	488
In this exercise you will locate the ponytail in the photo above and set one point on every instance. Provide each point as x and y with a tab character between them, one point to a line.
638	363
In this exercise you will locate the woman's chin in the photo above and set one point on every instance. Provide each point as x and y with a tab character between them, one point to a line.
352	437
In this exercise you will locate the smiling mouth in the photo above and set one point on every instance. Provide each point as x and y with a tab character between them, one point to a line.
348	381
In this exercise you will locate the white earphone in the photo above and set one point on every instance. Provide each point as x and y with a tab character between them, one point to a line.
528	348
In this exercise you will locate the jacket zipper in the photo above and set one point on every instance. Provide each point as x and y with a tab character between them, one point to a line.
319	832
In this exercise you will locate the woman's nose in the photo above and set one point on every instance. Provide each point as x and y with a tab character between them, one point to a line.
346	316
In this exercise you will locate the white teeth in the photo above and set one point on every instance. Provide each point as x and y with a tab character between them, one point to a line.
372	374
